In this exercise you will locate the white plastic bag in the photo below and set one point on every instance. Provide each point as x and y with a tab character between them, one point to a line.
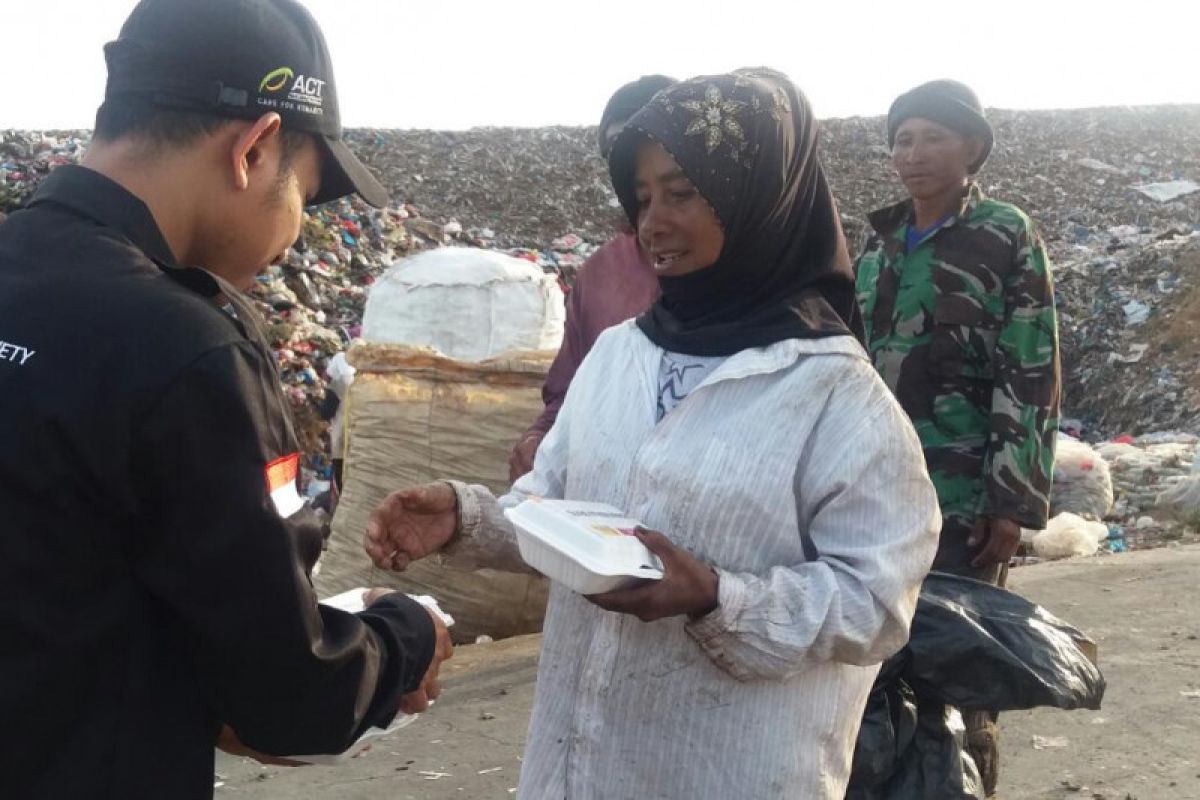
1068	535
1183	498
466	303
1082	482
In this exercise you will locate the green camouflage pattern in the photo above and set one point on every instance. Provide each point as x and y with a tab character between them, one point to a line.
963	330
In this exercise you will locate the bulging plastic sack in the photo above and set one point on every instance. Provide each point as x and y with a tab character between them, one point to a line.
468	304
1082	482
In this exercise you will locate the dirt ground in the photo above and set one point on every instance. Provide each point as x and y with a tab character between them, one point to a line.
1140	607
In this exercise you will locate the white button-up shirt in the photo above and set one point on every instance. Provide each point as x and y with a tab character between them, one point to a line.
792	471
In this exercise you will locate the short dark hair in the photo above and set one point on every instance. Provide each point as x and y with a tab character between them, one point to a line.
119	117
137	117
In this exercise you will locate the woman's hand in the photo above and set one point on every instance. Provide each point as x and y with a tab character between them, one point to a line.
411	524
688	586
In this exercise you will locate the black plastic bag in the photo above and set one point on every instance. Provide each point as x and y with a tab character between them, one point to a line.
972	646
910	749
976	646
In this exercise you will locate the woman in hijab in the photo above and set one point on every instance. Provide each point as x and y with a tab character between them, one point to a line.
740	419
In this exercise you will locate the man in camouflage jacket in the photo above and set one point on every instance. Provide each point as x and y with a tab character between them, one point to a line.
960	323
958	306
962	328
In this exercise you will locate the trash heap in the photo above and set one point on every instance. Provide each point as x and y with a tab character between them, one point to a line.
515	187
1147	473
1130	319
1128	493
27	157
1114	193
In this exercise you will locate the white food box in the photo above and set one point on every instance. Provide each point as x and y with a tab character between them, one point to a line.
588	547
352	601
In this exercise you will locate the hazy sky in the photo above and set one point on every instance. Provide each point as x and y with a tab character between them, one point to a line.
428	64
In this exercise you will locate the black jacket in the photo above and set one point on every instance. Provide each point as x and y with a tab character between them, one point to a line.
151	585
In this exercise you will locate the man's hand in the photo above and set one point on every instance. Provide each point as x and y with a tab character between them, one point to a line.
688	586
411	524
419	699
521	460
228	742
999	539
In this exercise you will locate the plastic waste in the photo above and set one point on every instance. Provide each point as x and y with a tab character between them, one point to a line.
1068	535
1182	499
1082	483
1168	191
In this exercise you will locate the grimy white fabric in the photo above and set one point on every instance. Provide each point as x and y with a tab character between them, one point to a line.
790	469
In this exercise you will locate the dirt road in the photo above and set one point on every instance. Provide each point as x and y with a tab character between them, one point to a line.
1142	608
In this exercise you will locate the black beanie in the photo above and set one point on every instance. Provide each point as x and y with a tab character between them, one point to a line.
628	100
947	103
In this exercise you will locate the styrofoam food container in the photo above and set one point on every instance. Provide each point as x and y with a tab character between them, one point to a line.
352	601
588	547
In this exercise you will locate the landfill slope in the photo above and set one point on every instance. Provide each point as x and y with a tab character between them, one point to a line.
1127	265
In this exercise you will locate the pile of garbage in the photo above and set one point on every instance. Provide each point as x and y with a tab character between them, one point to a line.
1153	484
512	187
1128	493
27	157
1130	314
1114	193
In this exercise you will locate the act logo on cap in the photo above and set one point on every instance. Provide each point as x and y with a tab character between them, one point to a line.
306	93
275	80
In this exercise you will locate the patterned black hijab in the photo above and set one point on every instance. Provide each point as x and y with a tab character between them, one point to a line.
748	142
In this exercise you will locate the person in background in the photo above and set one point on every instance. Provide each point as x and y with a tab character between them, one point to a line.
333	409
741	418
958	305
616	283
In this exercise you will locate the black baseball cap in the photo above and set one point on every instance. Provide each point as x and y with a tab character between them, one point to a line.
240	59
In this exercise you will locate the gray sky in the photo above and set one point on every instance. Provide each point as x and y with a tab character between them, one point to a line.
409	64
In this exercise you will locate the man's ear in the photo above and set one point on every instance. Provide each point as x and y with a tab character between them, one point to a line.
248	151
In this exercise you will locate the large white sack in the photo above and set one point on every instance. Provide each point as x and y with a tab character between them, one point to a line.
468	304
1082	482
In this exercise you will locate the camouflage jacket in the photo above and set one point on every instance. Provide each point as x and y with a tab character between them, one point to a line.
963	330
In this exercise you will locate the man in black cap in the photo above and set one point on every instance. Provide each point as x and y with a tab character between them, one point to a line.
958	304
155	552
